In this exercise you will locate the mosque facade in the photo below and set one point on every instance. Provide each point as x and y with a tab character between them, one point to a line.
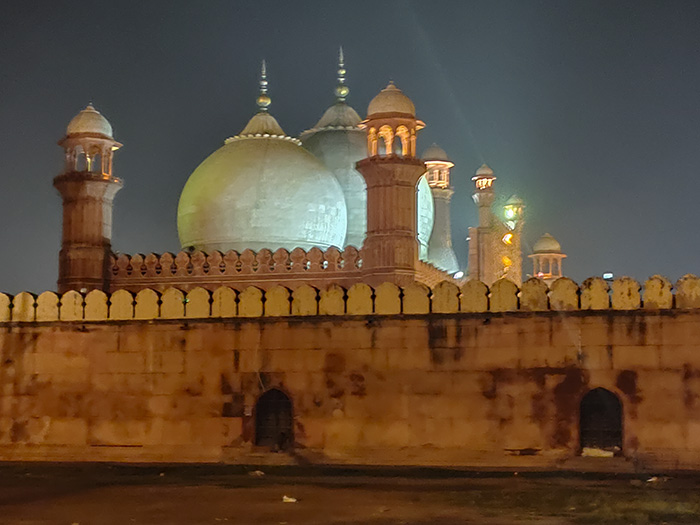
265	199
317	313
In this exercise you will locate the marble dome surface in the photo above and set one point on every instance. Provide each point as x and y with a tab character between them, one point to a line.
435	152
89	120
391	100
338	142
425	213
546	244
261	190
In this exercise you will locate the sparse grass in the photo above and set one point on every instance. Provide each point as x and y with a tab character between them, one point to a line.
189	495
611	503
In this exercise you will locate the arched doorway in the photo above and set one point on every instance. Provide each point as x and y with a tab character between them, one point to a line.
273	421
601	421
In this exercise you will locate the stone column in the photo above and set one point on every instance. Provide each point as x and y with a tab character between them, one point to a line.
88	198
390	251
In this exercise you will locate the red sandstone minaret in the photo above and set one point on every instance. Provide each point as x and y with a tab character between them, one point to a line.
391	171
88	189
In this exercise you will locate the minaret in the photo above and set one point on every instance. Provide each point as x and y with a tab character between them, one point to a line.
88	189
494	246
440	252
546	259
480	263
391	171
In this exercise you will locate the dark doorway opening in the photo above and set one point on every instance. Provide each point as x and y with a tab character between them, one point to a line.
601	421
273	421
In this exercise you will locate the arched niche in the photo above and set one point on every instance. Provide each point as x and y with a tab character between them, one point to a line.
274	422
600	422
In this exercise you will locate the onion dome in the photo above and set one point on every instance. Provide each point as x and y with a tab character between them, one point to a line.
546	244
435	152
425	216
339	142
89	120
261	190
484	171
391	100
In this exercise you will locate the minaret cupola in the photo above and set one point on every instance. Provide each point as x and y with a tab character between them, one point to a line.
391	124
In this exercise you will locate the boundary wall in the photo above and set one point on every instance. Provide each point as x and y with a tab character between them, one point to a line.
470	376
359	299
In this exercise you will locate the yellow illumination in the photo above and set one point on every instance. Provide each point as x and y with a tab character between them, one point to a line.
507	262
484	184
507	238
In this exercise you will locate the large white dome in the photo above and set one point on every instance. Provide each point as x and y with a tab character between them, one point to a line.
425	216
261	190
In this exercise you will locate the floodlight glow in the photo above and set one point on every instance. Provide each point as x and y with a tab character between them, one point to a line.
458	275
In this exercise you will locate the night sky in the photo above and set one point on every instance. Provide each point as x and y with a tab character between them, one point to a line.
589	110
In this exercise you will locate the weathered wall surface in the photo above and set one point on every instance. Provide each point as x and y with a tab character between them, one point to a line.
471	389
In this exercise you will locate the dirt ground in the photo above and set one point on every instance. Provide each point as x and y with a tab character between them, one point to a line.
174	495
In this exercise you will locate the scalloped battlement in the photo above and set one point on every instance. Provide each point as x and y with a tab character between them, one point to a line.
265	268
359	299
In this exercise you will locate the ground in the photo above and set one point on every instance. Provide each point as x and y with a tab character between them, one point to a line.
109	494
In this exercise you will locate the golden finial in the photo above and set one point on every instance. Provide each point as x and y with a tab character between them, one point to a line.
341	90
263	100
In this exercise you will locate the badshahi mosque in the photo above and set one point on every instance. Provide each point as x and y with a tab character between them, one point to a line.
265	190
316	314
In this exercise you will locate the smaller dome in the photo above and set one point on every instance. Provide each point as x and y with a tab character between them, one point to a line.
89	120
546	244
391	100
435	152
484	171
338	116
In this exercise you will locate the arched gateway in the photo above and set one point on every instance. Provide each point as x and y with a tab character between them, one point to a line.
601	420
273	421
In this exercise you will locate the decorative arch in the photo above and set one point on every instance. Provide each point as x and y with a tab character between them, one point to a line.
274	422
600	421
387	135
404	136
372	142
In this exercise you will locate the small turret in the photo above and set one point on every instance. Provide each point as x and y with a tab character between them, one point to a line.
547	258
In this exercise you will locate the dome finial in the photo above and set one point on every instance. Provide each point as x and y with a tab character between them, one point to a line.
263	100
341	90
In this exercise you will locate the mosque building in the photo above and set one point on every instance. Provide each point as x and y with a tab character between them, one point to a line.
269	200
317	307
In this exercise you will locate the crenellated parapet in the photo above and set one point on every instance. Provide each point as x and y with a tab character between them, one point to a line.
625	294
211	270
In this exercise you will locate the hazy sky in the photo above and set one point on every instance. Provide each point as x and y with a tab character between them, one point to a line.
588	110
